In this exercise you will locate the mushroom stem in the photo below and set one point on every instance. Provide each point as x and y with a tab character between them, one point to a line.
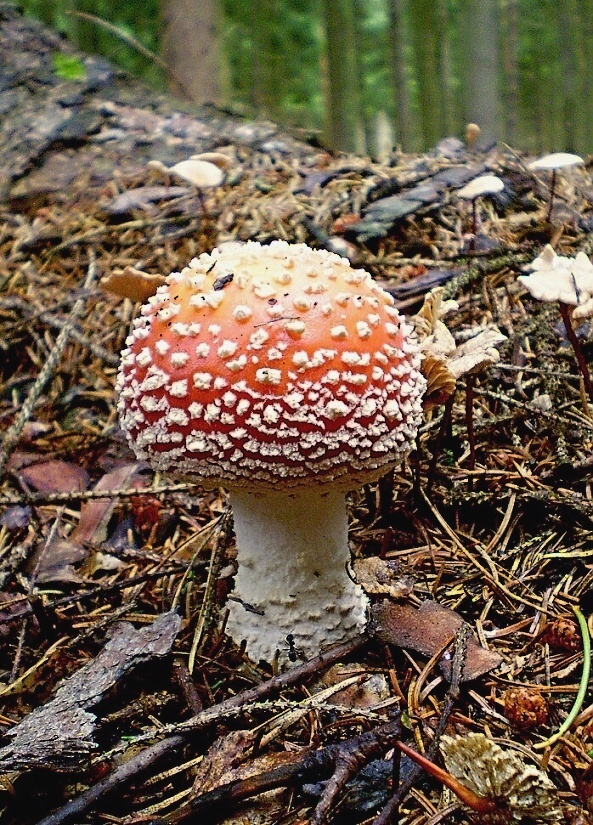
293	578
565	310
552	193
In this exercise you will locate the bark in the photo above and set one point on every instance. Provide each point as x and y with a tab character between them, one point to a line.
190	48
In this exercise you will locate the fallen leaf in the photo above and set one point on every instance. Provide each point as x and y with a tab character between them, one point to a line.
95	515
426	630
16	518
55	477
222	757
55	565
132	283
230	759
369	693
382	577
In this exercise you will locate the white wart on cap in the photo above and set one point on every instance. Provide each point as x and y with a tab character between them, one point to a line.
277	371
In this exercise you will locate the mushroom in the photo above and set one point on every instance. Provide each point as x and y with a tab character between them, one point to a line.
288	377
482	185
553	162
570	282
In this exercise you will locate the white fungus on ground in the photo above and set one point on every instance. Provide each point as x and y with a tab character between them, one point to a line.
301	382
559	278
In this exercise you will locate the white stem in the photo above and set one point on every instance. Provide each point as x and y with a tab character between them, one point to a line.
293	575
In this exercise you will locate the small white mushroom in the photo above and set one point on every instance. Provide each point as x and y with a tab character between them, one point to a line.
559	278
476	188
552	163
482	185
197	170
556	160
201	173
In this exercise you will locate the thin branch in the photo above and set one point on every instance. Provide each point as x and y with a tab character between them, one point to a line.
143	760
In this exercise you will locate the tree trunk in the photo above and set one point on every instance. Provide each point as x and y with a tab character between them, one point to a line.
510	63
190	48
482	45
587	16
574	78
426	38
406	122
343	109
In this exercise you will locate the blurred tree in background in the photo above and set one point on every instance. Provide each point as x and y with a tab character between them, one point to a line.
366	74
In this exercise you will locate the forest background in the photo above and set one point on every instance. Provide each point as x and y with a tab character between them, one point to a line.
365	75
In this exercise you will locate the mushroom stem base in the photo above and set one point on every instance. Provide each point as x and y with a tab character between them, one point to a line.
293	575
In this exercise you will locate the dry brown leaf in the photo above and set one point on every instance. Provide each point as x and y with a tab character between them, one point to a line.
373	690
427	630
55	564
230	758
55	477
440	382
132	283
95	515
382	577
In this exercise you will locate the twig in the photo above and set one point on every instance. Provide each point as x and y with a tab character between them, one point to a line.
144	759
96	591
136	44
344	759
23	631
445	424
469	420
47	317
390	811
89	495
350	758
220	544
14	431
186	685
95	234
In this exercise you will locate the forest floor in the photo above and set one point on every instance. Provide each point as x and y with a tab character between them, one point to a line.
113	581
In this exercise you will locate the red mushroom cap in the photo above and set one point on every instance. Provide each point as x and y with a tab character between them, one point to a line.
271	365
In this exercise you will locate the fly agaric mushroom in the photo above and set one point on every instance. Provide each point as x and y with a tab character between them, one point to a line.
288	377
